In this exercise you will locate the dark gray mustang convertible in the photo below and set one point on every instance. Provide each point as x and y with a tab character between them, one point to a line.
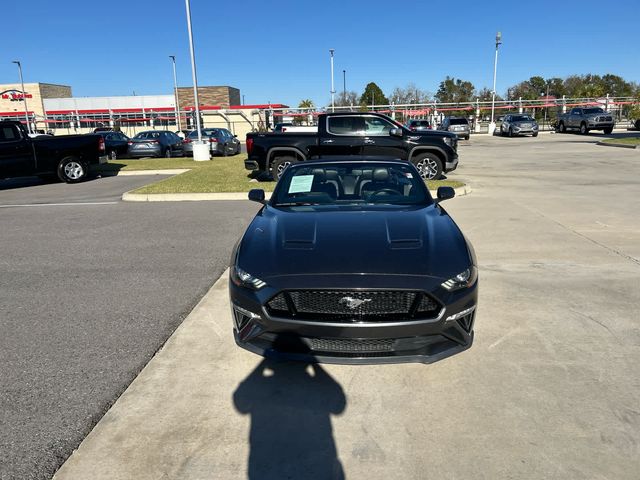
352	261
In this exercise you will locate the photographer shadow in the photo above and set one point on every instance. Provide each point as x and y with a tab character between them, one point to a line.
291	436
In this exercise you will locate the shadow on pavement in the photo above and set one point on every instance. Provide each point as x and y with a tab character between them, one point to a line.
21	182
291	436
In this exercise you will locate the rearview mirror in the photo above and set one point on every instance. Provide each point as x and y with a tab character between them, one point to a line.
257	195
396	132
445	193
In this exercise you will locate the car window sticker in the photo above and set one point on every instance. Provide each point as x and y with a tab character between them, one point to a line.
301	183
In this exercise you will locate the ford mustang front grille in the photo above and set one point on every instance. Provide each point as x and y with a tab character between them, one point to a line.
353	305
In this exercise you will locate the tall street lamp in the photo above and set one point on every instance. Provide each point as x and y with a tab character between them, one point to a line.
24	96
175	92
344	87
199	152
492	125
333	91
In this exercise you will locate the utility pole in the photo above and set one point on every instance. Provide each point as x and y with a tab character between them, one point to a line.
344	87
24	96
492	125
175	92
333	91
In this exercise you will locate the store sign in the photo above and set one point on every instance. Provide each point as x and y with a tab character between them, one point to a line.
14	95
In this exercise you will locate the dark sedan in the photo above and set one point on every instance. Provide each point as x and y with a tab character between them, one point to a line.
221	142
155	143
353	262
116	143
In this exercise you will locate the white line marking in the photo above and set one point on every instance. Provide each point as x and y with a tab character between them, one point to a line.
58	204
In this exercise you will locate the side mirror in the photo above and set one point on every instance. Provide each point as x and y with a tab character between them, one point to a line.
395	132
257	195
444	193
235	136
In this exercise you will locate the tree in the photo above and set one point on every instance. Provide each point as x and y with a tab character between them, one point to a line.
409	95
350	98
373	95
452	90
485	95
306	104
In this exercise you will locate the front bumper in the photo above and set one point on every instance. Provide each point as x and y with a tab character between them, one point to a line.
331	341
251	165
451	166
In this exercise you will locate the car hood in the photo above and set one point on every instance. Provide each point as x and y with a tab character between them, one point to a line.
421	241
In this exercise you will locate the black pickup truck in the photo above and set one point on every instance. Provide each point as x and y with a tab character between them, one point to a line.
367	134
69	157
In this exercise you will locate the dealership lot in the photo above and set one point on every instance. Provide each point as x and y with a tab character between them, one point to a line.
548	390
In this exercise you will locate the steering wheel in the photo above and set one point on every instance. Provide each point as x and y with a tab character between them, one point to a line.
390	191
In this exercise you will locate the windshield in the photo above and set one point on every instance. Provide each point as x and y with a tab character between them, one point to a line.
147	135
521	118
351	184
593	110
459	121
420	123
205	133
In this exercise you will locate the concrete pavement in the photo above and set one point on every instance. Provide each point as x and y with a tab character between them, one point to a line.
549	389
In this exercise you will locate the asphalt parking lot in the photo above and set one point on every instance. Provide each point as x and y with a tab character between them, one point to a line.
549	389
90	288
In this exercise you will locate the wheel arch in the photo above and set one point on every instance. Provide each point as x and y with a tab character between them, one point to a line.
274	151
440	153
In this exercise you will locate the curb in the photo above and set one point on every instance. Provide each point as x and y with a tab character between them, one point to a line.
125	173
198	197
618	145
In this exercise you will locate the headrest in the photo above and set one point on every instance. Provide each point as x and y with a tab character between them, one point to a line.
318	175
331	174
380	175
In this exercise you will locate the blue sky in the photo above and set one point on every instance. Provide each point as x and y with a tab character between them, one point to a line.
277	51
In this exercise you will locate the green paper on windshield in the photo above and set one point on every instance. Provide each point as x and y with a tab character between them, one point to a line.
301	183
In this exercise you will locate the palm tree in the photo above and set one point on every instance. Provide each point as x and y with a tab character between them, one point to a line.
308	105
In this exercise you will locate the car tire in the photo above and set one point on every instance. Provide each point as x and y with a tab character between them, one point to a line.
280	164
510	132
113	155
72	170
607	131
535	134
583	129
637	124
562	128
225	150
167	153
429	166
467	137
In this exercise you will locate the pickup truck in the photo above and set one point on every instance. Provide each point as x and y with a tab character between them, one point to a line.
586	119
69	157
350	133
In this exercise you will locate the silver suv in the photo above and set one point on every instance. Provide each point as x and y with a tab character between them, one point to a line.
457	125
519	124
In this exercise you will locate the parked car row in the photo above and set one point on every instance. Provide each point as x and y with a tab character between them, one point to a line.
162	143
457	125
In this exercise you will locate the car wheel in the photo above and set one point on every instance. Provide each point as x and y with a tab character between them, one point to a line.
225	150
113	155
583	129
239	149
562	128
429	166
637	124
510	132
167	153
72	170
467	137
535	134
280	164
607	131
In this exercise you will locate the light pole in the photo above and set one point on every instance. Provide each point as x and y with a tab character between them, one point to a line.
175	92
194	77
492	125
344	87
333	91
546	108
24	96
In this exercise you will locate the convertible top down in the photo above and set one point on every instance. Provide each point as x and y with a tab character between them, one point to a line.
353	261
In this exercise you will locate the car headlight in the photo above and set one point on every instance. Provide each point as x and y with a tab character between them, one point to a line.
462	280
449	141
245	279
